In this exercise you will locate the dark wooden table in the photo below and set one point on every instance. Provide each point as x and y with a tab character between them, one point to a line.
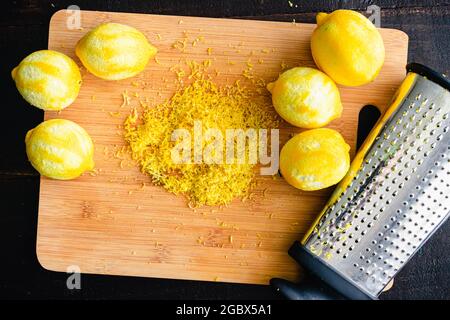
24	29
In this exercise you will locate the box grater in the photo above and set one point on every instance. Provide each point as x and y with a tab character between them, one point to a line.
395	195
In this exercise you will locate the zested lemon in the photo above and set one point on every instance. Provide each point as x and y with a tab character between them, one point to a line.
315	159
48	79
306	97
60	149
347	46
114	51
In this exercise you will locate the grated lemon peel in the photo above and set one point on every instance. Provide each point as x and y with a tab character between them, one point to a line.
233	106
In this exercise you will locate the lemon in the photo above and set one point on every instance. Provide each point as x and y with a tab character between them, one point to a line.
114	51
306	97
347	46
315	159
60	149
47	79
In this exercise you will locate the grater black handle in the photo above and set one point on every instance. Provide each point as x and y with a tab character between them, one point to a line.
311	288
321	283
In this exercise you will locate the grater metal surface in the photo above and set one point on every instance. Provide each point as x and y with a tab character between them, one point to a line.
396	193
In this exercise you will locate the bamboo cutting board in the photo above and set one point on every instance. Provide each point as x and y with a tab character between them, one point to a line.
116	222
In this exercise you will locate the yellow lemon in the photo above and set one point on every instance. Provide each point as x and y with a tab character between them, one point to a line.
306	97
347	46
114	51
48	79
315	159
60	149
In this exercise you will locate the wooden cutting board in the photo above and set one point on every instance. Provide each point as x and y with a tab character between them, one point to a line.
116	222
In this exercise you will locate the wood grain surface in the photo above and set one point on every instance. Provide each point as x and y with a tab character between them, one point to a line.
116	222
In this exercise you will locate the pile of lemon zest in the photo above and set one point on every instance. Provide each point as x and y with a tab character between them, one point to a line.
233	106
